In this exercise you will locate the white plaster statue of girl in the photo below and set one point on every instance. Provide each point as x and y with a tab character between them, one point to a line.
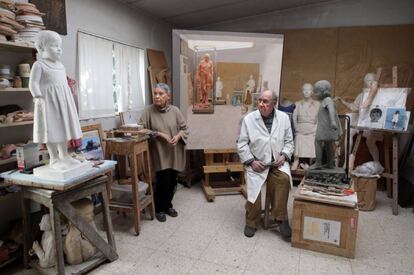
219	88
55	117
45	251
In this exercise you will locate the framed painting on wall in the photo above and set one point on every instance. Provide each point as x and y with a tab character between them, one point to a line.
55	14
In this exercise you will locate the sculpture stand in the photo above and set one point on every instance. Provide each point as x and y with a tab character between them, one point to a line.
201	108
48	173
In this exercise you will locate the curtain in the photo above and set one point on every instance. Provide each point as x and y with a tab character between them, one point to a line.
95	69
129	66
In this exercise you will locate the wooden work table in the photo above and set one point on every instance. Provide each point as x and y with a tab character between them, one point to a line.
58	197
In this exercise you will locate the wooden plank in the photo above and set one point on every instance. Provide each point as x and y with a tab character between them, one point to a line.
347	217
223	168
86	229
387	165
395	174
208	192
220	151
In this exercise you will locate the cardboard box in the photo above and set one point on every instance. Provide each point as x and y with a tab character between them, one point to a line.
324	228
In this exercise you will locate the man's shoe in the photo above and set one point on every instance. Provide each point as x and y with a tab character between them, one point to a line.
249	231
171	212
285	229
161	216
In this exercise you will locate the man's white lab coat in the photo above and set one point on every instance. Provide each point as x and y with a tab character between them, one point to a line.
256	142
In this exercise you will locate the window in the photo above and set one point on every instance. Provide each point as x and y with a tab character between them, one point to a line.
111	77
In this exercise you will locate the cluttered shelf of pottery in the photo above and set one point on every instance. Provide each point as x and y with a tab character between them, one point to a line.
16	124
14	90
16	46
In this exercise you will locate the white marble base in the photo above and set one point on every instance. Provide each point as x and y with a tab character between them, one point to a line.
46	172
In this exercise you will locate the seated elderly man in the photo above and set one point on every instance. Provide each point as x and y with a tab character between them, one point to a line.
265	146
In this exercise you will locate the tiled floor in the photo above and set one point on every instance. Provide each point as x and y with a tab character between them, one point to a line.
207	238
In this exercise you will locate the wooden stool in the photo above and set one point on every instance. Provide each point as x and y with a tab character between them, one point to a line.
59	202
137	152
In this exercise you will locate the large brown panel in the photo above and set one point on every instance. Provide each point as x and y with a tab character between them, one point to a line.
344	55
363	49
308	55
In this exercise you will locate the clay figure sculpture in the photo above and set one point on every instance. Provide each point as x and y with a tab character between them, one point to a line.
204	80
355	106
250	88
45	251
55	117
305	118
77	249
328	129
219	88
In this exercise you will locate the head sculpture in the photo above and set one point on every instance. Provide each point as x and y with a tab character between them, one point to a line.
368	79
307	90
322	89
49	44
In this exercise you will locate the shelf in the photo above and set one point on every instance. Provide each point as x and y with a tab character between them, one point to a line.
7	161
14	90
16	124
16	46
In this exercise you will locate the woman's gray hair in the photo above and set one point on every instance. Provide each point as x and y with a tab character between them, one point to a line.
163	87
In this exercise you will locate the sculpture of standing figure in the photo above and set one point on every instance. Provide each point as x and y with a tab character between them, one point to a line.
305	118
328	129
46	252
55	117
355	106
219	88
251	84
204	80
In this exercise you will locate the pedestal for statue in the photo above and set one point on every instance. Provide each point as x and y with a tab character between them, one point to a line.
327	177
48	173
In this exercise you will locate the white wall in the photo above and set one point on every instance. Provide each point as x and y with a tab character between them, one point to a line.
114	20
329	14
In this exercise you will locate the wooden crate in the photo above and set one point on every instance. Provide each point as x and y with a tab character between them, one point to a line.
324	228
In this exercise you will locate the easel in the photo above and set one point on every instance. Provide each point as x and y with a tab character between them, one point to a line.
395	145
222	165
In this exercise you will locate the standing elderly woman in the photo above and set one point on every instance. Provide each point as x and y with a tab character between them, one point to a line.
169	133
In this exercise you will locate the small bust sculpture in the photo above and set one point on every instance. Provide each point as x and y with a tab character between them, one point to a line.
55	117
250	85
219	88
328	129
46	252
265	85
